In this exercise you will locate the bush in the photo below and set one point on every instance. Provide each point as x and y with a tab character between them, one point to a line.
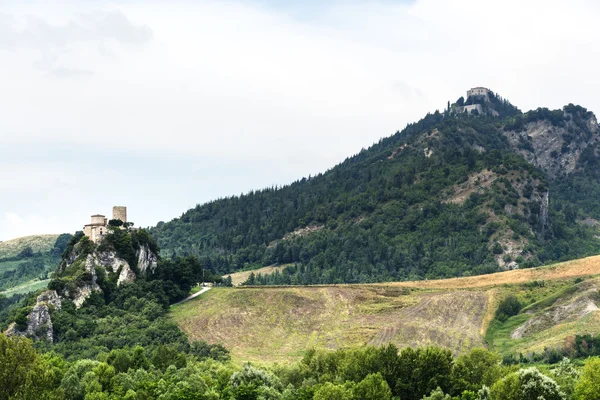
527	384
507	308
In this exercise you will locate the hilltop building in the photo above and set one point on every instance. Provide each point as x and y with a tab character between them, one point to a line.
98	227
478	93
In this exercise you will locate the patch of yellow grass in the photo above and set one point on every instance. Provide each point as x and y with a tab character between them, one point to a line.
240	277
279	324
570	269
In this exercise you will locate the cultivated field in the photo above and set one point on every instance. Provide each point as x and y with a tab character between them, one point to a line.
277	324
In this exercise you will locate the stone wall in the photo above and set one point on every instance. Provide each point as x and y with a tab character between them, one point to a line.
98	220
120	212
478	91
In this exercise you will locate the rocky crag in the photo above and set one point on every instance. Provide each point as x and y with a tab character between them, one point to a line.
87	268
39	323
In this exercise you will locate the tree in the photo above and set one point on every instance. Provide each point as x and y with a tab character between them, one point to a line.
253	383
438	394
421	371
566	376
21	370
373	387
330	391
588	387
474	369
526	384
507	308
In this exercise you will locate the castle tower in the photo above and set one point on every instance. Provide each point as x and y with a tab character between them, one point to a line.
120	212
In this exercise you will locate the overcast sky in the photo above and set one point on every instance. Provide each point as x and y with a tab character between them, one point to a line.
160	106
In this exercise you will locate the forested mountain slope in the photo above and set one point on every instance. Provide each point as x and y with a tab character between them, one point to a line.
453	194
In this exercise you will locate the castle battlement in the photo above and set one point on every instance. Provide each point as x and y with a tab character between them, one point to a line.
478	91
98	226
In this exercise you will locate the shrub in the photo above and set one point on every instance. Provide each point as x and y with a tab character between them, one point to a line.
507	308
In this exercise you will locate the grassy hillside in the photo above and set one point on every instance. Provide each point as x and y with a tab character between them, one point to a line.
280	323
37	243
27	262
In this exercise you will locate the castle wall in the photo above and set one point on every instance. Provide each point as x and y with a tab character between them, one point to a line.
120	212
469	109
97	232
479	91
98	220
97	229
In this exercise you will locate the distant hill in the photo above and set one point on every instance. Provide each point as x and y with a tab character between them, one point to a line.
454	194
37	243
279	324
27	262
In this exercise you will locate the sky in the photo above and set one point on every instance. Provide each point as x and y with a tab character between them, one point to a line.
160	106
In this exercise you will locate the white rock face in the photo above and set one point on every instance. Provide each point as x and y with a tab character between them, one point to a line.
111	263
147	260
82	293
39	323
547	142
126	276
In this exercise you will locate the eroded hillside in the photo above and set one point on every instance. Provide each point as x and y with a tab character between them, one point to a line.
280	323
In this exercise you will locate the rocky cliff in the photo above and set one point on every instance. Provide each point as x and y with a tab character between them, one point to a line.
88	268
39	323
119	257
555	144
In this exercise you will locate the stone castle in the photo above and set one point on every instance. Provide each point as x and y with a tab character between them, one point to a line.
479	92
98	227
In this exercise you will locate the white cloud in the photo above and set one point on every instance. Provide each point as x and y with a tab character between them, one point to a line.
224	85
14	226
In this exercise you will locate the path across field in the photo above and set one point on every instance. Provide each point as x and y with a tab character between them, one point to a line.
203	290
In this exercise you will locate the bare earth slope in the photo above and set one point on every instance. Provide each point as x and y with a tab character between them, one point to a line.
279	323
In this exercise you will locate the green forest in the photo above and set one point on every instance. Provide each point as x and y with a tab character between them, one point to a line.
386	213
368	373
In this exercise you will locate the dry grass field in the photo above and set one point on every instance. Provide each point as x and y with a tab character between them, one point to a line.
570	269
240	277
277	324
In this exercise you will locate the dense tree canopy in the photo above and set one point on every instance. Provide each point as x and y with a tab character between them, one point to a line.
387	213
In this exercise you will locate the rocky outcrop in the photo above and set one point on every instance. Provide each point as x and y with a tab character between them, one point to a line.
126	275
147	259
39	323
570	308
77	274
112	263
84	289
555	149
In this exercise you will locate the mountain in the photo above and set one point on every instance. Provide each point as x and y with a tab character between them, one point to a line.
478	188
27	262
